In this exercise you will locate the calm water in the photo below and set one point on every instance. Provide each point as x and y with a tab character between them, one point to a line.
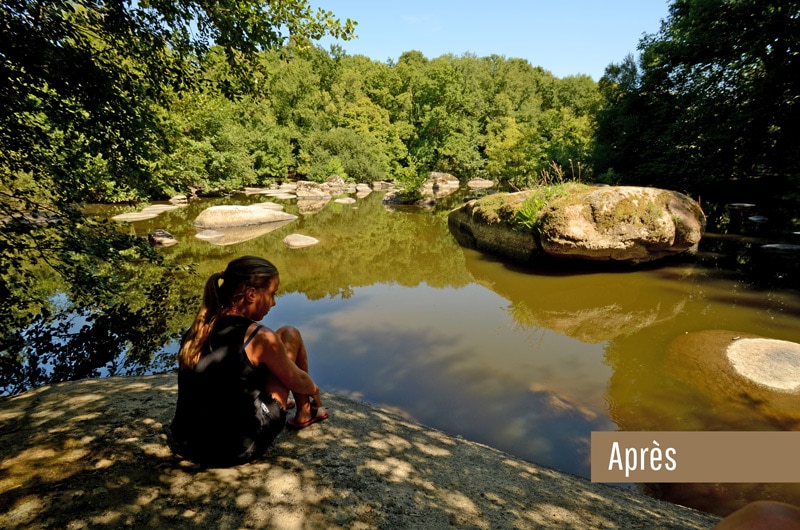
530	362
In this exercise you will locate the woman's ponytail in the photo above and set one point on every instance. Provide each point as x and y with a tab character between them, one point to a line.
195	338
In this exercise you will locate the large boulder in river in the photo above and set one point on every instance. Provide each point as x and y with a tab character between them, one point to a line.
227	216
622	223
599	223
487	225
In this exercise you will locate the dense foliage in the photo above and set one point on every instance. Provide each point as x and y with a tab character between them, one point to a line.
322	113
86	89
712	103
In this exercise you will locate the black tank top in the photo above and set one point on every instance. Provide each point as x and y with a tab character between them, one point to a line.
219	411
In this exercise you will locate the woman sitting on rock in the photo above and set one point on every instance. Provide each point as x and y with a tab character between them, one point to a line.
235	374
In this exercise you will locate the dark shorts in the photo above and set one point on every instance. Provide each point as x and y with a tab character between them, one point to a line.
273	420
212	450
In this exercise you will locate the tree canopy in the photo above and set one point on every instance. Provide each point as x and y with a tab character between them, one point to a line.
84	90
714	98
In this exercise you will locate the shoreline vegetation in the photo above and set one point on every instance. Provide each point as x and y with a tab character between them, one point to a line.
96	452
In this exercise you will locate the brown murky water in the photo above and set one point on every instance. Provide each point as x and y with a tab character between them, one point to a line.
530	362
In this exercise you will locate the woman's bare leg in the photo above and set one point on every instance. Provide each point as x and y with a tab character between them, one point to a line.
296	350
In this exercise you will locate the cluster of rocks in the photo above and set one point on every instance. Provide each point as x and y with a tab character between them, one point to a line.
230	224
437	186
749	232
596	223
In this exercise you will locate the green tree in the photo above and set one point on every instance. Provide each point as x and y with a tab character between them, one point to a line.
83	85
447	117
716	91
358	154
354	108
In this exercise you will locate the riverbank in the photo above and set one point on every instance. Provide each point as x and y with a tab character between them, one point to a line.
95	453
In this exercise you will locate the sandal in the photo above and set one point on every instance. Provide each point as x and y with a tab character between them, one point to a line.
315	417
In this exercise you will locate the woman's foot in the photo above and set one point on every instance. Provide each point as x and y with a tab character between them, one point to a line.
301	420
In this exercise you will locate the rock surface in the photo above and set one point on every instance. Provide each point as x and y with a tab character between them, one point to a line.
774	364
299	241
486	224
227	216
148	212
622	224
745	374
439	185
480	184
333	186
95	454
161	238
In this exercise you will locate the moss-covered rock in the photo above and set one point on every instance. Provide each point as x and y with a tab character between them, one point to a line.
622	223
487	224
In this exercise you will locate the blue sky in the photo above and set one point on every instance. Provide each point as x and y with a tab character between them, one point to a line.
566	37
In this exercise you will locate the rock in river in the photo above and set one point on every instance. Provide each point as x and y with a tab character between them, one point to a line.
227	216
161	238
299	241
755	380
599	223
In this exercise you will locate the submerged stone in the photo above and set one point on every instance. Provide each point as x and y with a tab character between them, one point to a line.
751	380
771	363
299	241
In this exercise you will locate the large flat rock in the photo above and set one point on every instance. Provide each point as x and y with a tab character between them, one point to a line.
95	453
231	216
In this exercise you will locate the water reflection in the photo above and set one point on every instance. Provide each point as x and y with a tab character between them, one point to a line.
456	359
239	234
589	306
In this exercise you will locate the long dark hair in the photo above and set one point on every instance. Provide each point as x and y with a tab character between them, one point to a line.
223	290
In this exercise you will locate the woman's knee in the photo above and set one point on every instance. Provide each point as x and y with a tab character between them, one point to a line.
278	390
292	340
289	334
